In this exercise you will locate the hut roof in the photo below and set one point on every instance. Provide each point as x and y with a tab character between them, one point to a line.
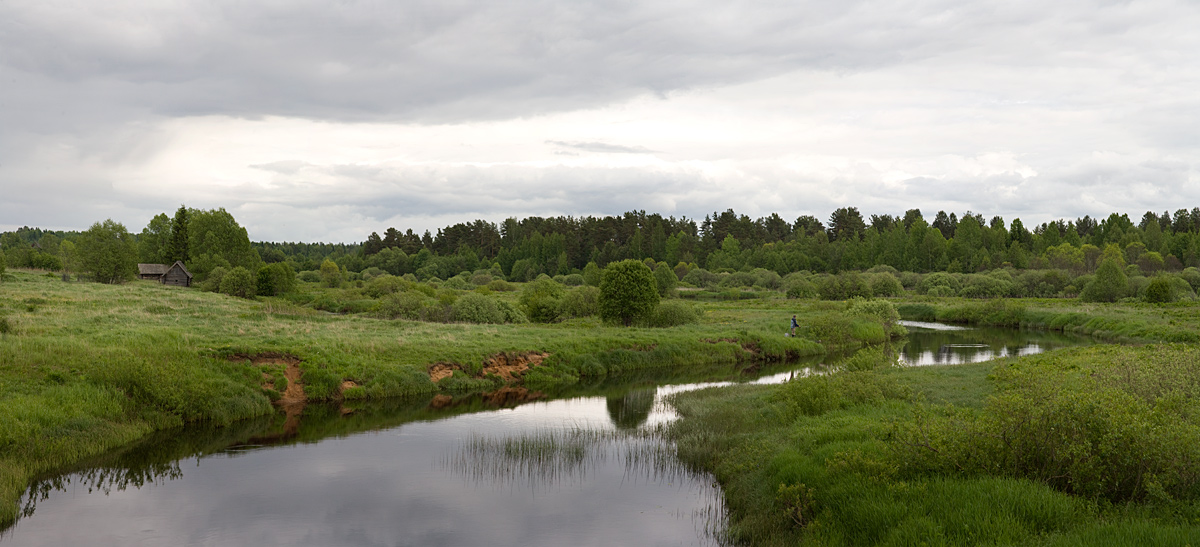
153	269
181	267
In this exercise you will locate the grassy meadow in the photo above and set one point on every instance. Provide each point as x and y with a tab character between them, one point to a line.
872	454
86	367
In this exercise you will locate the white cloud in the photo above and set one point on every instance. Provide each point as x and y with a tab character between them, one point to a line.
315	121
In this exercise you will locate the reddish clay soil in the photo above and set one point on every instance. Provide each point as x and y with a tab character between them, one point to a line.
508	366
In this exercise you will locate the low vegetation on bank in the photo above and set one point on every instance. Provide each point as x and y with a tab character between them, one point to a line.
85	367
1095	445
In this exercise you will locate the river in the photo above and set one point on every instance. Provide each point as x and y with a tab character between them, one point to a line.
580	467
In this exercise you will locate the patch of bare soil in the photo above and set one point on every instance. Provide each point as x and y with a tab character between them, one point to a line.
292	399
508	366
442	370
511	366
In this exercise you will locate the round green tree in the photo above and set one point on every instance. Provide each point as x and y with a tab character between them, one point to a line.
108	253
628	291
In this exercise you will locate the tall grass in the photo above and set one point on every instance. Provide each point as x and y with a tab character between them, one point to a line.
835	460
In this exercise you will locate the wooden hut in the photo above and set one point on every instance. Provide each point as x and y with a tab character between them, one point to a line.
175	274
151	271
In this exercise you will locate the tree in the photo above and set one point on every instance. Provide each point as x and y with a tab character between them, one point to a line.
373	244
69	255
155	240
276	279
216	234
591	274
1109	284
3	265
331	274
107	252
807	225
666	279
177	245
846	223
628	291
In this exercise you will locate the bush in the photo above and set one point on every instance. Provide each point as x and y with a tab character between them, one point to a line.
1191	275
885	284
372	272
940	279
512	314
1181	289
384	285
591	274
984	286
500	285
766	279
699	277
799	287
239	282
572	280
580	302
481	279
1159	290
878	310
666	280
456	283
1105	422
910	280
1109	285
738	279
476	308
406	305
540	299
671	313
843	286
276	279
628	291
213	282
308	276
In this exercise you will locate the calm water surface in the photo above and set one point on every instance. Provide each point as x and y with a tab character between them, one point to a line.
433	472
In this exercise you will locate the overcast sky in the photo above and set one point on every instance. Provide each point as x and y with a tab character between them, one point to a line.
325	121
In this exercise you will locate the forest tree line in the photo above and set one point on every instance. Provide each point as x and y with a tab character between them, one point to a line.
522	249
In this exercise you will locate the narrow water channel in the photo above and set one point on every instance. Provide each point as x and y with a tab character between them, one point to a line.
582	467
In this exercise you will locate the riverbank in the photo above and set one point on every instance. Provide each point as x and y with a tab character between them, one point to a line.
85	367
1134	322
1094	445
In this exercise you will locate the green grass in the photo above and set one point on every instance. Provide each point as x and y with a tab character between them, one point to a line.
86	368
829	460
1119	322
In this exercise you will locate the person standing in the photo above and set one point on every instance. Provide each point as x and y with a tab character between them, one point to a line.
794	325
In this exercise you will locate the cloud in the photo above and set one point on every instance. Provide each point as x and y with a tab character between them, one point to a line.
326	121
603	148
